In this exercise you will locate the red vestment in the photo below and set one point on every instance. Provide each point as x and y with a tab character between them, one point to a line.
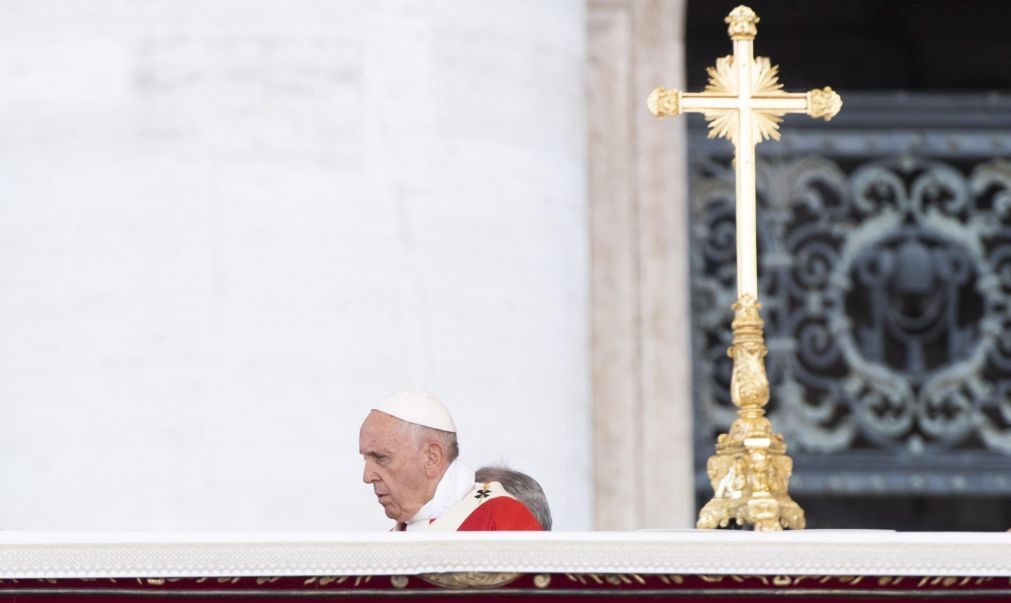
487	507
503	514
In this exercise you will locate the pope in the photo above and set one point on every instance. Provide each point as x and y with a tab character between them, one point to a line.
410	450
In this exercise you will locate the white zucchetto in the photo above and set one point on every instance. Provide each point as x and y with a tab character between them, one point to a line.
418	407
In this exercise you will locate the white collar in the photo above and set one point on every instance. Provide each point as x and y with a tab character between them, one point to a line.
455	484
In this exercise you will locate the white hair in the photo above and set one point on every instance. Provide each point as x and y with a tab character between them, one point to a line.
421	435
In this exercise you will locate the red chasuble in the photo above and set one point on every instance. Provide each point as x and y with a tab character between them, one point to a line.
501	513
486	507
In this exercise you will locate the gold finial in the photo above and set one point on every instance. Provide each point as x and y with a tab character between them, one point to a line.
824	103
742	21
664	103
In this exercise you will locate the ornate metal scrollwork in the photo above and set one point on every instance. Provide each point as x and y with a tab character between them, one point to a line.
889	297
886	286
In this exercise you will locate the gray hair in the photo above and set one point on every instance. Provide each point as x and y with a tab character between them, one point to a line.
421	434
523	487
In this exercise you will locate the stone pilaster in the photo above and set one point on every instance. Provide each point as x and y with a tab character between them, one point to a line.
639	269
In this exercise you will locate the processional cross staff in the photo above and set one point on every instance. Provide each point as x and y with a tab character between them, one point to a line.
744	102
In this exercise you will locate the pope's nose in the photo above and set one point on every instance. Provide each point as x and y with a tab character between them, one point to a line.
368	475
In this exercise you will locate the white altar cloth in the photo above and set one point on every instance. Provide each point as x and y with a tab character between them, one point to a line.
812	552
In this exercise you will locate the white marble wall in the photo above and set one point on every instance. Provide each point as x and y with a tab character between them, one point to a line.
226	227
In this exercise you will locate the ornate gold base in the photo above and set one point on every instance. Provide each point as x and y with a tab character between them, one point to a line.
750	471
734	474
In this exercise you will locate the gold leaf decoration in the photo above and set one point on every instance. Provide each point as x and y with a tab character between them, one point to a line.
765	77
764	82
722	79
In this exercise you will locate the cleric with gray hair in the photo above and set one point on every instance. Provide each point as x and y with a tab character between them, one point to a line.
523	487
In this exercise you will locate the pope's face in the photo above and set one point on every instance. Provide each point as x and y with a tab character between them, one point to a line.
394	465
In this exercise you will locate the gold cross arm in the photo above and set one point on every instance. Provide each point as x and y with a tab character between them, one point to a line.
822	103
767	108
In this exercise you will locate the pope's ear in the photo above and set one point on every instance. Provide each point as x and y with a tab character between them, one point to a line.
434	454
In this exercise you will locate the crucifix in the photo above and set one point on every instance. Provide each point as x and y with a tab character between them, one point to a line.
744	102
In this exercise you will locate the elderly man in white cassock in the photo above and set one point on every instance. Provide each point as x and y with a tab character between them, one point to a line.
410	450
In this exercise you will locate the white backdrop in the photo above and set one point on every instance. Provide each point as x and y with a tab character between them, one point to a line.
227	227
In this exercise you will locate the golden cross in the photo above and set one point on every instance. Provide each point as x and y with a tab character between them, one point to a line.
745	103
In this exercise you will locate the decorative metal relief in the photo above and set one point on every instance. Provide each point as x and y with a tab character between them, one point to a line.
470	579
886	291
